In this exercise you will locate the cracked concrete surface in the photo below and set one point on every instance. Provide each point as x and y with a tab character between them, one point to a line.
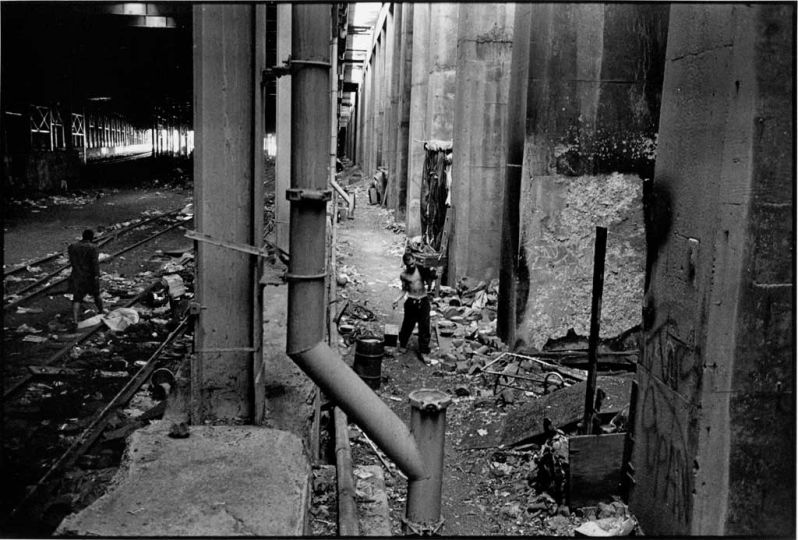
221	481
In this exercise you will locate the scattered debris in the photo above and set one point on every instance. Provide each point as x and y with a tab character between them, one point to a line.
120	318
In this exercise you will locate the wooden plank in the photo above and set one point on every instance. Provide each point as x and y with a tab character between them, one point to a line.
564	407
595	468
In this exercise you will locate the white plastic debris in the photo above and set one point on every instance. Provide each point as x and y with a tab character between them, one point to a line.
120	318
91	321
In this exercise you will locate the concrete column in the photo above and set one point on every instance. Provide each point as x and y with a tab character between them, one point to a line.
403	109
228	202
417	127
442	64
715	424
593	104
282	209
484	49
371	136
392	124
379	99
506	313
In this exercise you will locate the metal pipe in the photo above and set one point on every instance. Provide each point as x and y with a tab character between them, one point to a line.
428	426
326	368
347	510
305	344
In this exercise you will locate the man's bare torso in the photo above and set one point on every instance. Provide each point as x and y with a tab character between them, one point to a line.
413	283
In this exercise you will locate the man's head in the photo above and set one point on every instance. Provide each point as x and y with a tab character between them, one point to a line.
409	260
88	235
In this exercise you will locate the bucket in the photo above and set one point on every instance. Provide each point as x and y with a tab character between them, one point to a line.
368	360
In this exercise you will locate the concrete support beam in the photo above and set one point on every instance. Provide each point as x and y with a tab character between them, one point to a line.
282	209
506	315
484	49
228	202
392	78
715	430
442	70
403	109
417	128
593	106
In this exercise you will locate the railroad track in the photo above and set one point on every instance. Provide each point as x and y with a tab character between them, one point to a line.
52	270
44	409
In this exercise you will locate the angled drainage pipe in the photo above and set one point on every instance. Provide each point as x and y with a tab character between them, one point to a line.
417	451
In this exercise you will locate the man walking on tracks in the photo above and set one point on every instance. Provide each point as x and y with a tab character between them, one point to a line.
417	304
84	258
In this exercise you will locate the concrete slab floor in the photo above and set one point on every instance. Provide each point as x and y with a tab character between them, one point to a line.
220	481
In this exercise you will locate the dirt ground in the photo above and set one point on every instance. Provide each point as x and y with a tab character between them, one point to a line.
472	497
486	490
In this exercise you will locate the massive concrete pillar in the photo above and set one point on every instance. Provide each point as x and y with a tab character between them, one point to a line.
507	312
282	209
228	203
714	446
403	109
380	97
484	48
417	129
442	70
592	108
392	55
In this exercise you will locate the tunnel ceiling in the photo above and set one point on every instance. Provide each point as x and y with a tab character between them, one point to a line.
74	52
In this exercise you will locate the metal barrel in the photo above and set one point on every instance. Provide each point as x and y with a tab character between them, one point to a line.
368	360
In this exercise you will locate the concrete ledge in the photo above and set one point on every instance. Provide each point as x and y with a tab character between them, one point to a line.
220	481
372	501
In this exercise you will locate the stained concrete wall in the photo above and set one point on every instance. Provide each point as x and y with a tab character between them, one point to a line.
44	171
560	215
228	182
715	432
484	48
404	67
592	109
417	128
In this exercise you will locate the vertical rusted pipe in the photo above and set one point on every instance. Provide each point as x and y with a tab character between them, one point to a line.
428	426
595	320
310	80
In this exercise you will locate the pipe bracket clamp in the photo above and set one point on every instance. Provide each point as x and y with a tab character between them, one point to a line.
304	277
320	195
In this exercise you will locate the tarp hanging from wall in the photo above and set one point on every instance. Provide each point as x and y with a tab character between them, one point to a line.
436	182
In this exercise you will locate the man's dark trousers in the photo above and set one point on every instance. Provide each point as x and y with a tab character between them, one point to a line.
416	311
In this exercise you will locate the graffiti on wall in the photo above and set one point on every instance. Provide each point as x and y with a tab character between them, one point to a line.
666	452
672	360
671	386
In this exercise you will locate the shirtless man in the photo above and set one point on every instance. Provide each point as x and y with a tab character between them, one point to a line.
417	304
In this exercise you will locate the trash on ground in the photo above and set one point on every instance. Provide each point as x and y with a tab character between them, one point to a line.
120	318
612	526
91	321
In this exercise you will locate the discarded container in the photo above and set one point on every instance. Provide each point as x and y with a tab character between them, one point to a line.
368	360
374	196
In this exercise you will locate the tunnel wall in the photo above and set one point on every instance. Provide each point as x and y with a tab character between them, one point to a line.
595	75
715	424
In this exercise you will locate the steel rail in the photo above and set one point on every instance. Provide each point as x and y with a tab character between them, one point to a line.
65	350
101	241
95	429
24	299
